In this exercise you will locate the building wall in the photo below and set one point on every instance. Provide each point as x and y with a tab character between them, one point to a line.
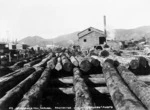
92	39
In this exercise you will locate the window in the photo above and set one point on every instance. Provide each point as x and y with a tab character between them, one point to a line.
84	40
89	29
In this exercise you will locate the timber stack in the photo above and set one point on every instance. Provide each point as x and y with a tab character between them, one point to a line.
67	79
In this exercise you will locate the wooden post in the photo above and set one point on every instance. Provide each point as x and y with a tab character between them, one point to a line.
120	94
140	89
83	101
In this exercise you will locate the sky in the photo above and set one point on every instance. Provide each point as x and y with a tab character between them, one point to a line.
52	18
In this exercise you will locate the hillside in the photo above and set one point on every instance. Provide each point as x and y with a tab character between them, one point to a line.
137	33
63	40
66	40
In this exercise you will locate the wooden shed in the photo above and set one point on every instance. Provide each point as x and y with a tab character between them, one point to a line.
91	37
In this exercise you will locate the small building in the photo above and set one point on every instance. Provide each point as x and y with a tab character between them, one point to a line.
91	37
3	48
12	46
21	46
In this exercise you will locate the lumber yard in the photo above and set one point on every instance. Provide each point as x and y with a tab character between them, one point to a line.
67	78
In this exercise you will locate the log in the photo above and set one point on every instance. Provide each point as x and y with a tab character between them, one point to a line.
43	62
58	66
66	64
139	88
52	63
121	96
70	91
32	63
93	61
83	100
9	82
8	75
74	61
33	97
17	65
84	64
13	96
134	64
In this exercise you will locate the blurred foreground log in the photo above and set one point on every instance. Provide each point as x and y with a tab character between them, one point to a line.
83	100
33	97
140	89
9	82
13	96
121	96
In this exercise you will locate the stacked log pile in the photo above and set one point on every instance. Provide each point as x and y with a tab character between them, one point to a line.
41	78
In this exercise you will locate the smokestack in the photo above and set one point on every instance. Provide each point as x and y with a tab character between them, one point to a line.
105	26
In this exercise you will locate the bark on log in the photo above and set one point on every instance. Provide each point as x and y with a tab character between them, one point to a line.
17	65
43	62
58	66
8	75
52	63
84	64
83	101
13	96
120	94
66	64
70	91
9	82
134	64
140	89
33	97
32	63
74	61
93	61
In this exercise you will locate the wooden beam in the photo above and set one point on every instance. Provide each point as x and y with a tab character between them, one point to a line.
70	91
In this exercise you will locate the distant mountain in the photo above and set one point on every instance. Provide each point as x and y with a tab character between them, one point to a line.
63	40
66	40
32	40
136	33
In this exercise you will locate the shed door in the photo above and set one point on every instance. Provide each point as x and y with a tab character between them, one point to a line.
102	40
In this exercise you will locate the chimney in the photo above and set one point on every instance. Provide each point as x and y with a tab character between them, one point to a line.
105	26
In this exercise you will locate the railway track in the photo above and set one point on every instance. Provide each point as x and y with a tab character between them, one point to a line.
60	81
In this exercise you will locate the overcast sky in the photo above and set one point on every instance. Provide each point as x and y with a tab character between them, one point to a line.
51	18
